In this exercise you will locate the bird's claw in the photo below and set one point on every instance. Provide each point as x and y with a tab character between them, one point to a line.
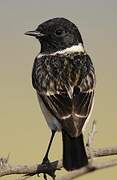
51	169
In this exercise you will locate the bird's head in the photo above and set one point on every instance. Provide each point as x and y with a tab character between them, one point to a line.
56	34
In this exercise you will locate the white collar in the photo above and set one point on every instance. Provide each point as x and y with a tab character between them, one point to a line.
75	48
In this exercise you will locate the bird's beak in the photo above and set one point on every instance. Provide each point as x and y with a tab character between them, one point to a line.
34	33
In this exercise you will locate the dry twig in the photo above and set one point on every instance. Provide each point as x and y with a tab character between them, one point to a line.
89	144
88	169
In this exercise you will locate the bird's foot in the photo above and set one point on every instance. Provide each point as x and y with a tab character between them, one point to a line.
50	169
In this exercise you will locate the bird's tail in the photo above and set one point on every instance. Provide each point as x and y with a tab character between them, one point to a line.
74	154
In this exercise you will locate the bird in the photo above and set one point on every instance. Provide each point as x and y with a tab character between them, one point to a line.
63	76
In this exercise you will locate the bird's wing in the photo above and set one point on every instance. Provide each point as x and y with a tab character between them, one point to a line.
72	111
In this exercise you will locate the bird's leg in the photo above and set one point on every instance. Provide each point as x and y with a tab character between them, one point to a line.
46	162
51	170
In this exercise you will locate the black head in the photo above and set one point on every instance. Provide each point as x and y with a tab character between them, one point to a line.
56	34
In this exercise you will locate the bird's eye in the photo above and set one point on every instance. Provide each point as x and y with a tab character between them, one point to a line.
59	32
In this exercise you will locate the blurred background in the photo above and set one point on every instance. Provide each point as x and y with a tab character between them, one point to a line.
23	130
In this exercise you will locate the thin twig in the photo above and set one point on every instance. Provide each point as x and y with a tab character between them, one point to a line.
100	152
89	144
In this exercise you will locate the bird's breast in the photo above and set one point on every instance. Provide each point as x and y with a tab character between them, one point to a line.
53	74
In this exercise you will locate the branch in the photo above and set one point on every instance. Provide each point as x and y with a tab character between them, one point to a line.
88	169
8	169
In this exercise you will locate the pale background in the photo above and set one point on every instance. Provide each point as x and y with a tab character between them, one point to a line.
23	131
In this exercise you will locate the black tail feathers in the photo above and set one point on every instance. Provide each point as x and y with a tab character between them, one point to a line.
74	154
